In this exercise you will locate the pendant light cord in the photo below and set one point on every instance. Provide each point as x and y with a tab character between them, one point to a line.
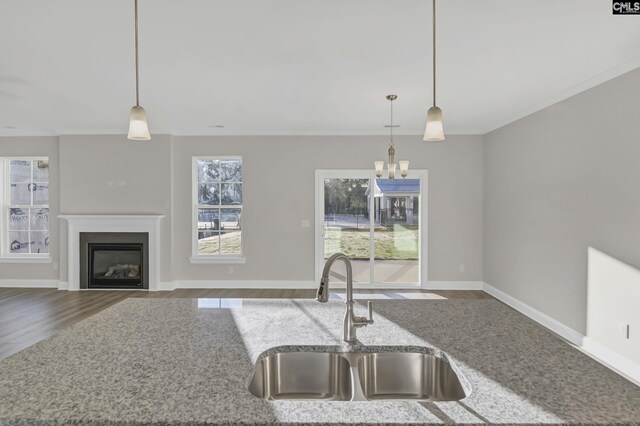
434	52
136	44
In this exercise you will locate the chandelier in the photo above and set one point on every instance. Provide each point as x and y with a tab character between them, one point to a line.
391	165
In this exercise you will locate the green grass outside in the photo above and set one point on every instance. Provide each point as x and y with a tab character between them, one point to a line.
392	243
229	244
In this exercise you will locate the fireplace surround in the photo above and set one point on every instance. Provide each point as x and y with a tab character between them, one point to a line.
82	223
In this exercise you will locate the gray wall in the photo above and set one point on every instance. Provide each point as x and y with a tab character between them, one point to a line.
113	175
158	181
556	182
279	193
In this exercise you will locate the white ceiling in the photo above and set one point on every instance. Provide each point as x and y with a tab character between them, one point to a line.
300	66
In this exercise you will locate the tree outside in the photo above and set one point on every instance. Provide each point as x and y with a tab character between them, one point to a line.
347	225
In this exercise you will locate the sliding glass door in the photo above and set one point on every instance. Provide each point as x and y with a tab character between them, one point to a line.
377	223
346	226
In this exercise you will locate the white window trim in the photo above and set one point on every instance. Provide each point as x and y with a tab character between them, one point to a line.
212	258
5	256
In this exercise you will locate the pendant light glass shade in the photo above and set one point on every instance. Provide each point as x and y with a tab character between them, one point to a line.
138	128
435	129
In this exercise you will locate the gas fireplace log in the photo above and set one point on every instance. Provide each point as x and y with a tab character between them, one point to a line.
123	271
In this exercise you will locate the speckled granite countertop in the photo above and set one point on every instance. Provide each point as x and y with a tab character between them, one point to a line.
171	362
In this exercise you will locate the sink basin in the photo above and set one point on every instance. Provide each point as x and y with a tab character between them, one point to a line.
375	373
302	375
406	375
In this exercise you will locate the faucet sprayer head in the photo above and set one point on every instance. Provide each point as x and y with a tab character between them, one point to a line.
323	294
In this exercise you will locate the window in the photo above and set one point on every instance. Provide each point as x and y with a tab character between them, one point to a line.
217	212
25	207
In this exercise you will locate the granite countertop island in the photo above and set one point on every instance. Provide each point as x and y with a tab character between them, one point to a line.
189	362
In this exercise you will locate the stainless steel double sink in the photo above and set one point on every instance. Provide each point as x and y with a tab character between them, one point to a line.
366	374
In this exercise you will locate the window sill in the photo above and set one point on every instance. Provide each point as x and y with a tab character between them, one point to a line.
25	259
217	259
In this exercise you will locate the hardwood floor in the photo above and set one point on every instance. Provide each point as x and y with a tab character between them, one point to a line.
28	316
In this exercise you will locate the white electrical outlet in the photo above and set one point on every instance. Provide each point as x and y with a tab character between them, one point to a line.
462	267
230	269
305	223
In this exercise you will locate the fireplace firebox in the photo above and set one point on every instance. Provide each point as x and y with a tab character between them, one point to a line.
114	260
115	265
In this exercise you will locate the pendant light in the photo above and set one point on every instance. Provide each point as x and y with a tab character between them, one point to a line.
391	165
138	128
435	129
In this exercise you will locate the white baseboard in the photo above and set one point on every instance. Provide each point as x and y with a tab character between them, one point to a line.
621	365
21	283
63	285
554	325
166	286
452	285
251	284
605	356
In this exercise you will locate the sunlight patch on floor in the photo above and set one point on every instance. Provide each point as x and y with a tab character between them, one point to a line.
422	296
389	295
365	296
218	303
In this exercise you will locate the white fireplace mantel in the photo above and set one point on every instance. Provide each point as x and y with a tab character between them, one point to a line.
78	223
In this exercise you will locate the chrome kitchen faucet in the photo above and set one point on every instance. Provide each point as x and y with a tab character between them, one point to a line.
351	320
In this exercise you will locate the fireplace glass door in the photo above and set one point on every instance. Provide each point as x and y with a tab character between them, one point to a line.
115	265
